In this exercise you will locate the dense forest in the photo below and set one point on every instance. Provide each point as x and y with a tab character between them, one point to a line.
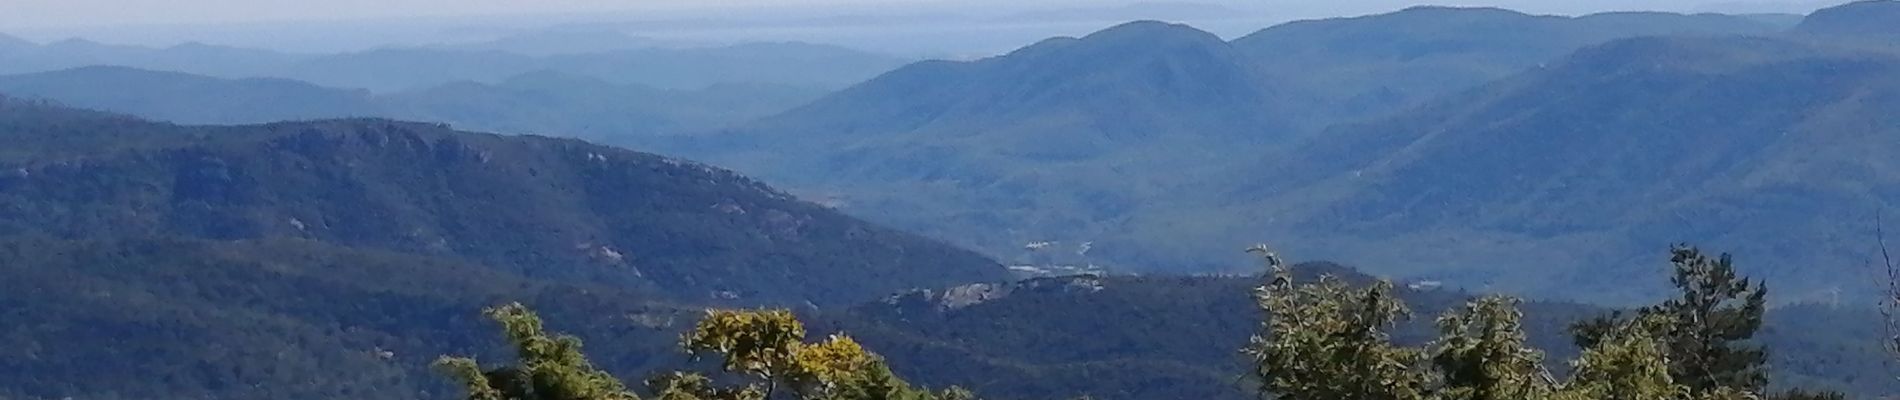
1324	337
1482	200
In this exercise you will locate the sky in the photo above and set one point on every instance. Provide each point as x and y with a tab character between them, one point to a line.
911	26
71	13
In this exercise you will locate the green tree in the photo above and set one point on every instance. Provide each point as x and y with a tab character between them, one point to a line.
767	345
1706	328
1481	354
1628	362
551	367
1326	340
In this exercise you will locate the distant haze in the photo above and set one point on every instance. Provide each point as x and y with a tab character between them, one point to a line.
942	28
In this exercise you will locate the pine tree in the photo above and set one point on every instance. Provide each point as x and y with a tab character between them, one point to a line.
1327	341
1481	354
551	367
1706	328
767	345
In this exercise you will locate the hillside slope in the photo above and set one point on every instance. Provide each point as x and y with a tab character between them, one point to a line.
1776	148
1060	136
541	207
190	99
280	318
1120	337
1371	65
547	103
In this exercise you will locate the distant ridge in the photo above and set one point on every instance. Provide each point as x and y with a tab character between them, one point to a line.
540	207
1867	19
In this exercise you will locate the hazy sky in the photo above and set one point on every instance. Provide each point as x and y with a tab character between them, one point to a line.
922	27
68	13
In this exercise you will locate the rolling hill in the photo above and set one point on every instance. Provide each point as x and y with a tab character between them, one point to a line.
1370	65
1119	337
1775	148
545	102
191	99
1074	140
1055	137
546	208
1869	20
407	68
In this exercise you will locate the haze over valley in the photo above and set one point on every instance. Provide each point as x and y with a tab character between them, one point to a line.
1024	201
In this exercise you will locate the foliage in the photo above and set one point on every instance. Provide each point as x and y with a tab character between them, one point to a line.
550	367
1626	363
1482	354
767	345
1707	328
1328	341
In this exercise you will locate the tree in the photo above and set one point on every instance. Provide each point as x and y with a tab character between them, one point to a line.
1628	362
767	345
1326	340
1706	327
551	367
1482	355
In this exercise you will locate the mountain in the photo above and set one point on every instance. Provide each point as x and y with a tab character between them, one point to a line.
544	208
997	152
548	103
276	318
1867	19
1371	65
198	58
1777	149
795	64
395	69
1092	141
9	43
577	106
190	99
551	42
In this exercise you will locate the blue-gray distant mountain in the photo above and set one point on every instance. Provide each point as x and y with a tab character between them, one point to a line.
549	208
552	103
561	41
1375	64
1866	19
1073	139
1560	179
547	103
9	43
977	150
191	99
396	69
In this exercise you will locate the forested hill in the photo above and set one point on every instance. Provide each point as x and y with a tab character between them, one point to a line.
1122	337
549	208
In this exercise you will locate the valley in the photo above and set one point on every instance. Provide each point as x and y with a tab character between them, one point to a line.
1063	219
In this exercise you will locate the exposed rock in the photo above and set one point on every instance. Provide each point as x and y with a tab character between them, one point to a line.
960	297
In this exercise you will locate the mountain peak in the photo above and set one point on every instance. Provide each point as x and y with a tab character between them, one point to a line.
1455	10
9	42
1874	19
1150	27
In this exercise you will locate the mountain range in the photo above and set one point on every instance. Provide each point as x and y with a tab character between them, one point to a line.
1775	148
406	68
553	208
538	103
1155	147
1484	150
1125	154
